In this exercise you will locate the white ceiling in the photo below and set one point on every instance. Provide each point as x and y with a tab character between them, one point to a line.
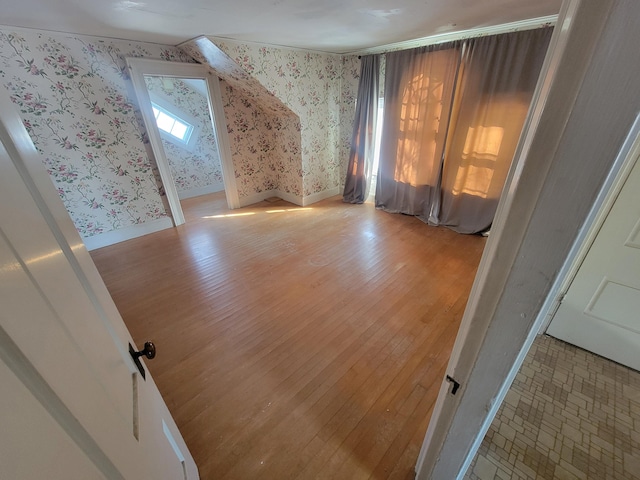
329	25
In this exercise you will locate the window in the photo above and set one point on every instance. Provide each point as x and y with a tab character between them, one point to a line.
378	136
171	124
376	149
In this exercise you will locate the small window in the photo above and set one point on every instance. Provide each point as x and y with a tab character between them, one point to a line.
172	124
376	149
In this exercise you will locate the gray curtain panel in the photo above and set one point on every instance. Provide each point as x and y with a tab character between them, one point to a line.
418	95
494	89
356	185
452	119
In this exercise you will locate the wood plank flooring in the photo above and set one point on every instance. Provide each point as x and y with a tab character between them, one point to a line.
296	343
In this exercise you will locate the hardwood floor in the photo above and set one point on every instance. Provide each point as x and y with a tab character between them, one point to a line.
296	342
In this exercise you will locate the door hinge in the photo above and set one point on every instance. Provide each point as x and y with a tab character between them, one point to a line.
456	385
556	306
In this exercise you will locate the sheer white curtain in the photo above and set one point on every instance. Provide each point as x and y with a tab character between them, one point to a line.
356	185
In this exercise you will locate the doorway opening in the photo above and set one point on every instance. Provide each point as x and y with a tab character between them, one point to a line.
181	111
181	106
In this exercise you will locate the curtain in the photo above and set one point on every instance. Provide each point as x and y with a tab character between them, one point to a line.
356	186
418	95
495	86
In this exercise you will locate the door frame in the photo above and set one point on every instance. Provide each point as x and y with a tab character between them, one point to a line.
538	219
620	170
27	162
442	414
138	68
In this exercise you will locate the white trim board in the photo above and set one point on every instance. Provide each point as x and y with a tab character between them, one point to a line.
126	233
197	191
548	74
537	221
258	197
529	24
288	197
138	68
602	206
235	41
316	197
291	198
133	231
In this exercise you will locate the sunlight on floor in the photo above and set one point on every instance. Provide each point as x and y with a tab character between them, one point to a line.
244	214
289	210
231	215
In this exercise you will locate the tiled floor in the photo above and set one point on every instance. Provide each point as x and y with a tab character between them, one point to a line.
568	415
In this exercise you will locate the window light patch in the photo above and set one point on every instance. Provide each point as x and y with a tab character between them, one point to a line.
172	124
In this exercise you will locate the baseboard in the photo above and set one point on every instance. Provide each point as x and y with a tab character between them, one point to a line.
196	192
258	197
290	198
303	202
126	233
134	231
316	197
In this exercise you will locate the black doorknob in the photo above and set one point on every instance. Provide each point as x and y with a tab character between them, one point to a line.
148	351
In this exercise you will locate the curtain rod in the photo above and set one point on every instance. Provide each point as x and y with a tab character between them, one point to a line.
529	24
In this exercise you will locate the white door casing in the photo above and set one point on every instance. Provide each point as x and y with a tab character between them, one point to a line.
73	404
593	100
139	67
600	310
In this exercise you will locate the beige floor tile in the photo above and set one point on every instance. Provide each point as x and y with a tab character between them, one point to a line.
569	415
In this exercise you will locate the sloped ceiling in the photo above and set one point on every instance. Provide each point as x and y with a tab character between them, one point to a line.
338	26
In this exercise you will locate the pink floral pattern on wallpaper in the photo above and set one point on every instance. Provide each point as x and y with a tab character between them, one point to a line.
251	149
320	89
73	97
199	166
264	134
265	147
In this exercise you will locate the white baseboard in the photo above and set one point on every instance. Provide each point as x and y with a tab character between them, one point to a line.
258	197
316	197
291	198
196	192
126	233
134	231
296	200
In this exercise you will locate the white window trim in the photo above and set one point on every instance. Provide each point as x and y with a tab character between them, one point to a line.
182	116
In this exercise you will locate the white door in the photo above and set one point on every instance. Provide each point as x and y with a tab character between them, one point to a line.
72	403
601	309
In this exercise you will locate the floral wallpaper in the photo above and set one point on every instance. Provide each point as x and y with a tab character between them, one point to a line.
318	88
197	167
265	147
311	85
264	133
72	94
77	103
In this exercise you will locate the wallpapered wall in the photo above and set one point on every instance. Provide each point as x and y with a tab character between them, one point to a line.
265	133
320	89
75	100
72	96
265	147
197	167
